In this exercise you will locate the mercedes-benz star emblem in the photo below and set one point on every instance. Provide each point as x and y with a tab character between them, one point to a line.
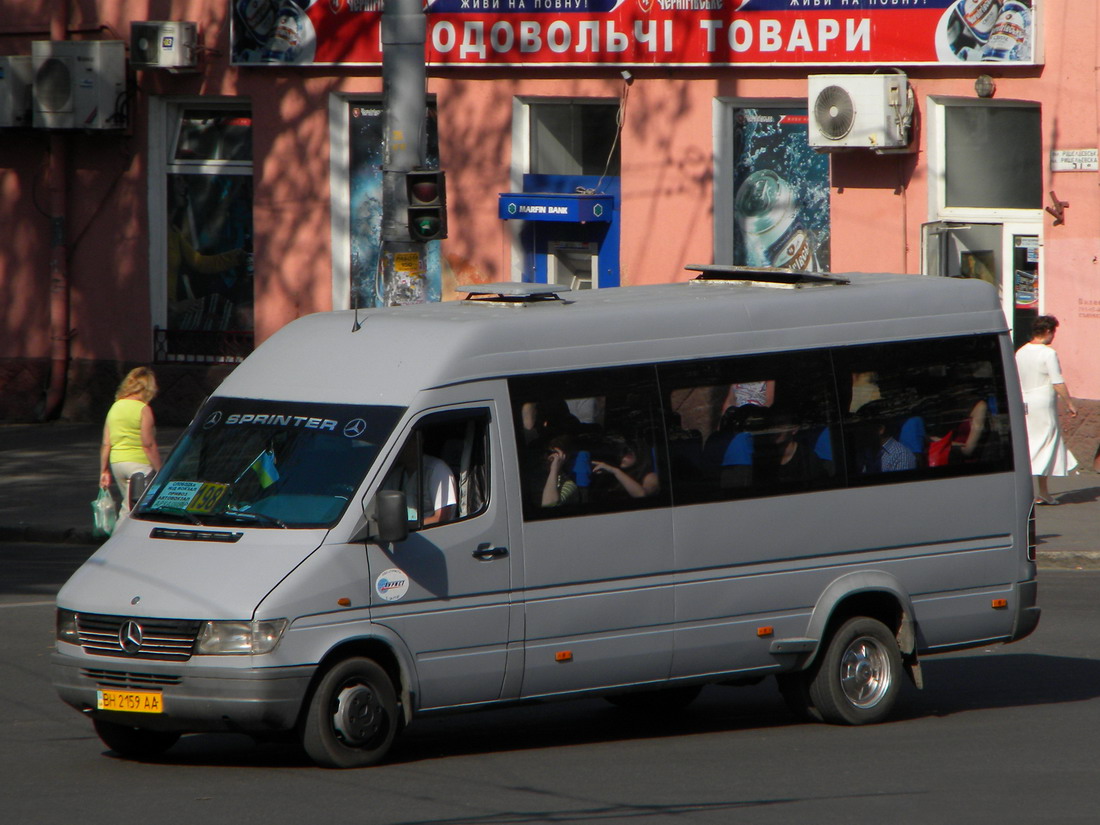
355	428
129	637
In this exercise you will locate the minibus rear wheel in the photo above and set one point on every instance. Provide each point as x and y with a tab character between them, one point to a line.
134	743
857	681
352	716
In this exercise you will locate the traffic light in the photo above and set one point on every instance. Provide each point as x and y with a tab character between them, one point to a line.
427	194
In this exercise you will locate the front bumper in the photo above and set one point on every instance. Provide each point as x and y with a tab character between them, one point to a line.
257	701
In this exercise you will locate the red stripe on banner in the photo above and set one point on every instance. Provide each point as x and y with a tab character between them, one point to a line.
630	35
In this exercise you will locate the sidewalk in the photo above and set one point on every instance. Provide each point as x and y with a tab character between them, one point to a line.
49	477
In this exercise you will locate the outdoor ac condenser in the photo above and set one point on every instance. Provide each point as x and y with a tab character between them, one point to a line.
163	44
871	111
79	84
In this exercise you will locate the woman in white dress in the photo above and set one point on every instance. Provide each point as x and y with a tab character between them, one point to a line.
1042	384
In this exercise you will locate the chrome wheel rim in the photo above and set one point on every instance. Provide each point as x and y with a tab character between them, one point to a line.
865	675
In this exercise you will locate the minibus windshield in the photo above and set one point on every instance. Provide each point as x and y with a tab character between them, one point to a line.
268	464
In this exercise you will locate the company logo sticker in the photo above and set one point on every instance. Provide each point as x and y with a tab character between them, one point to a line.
355	428
391	585
213	420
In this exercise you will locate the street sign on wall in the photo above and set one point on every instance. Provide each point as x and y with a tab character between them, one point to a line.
649	32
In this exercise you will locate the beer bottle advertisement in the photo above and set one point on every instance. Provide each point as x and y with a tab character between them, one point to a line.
781	192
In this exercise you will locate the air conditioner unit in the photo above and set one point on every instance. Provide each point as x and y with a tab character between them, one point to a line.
16	75
163	44
850	111
79	84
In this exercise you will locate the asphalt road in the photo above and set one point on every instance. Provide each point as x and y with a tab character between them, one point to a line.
1001	735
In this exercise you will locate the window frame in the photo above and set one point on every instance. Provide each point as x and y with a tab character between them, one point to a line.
938	209
165	123
481	416
840	422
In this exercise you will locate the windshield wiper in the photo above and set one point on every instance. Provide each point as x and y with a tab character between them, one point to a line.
247	515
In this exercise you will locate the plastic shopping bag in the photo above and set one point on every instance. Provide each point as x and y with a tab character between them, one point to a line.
104	513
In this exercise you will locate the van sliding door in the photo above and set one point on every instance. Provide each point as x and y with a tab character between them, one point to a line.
597	530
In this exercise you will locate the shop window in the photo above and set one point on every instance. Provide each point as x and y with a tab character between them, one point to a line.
207	242
991	156
574	138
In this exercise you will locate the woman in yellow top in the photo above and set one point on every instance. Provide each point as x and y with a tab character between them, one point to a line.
129	434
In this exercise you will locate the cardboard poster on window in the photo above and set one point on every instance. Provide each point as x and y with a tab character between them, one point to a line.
781	192
648	32
365	162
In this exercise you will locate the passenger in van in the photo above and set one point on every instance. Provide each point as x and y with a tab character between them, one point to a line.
880	452
543	420
587	410
865	389
970	434
789	459
630	467
559	488
755	393
729	453
913	436
427	481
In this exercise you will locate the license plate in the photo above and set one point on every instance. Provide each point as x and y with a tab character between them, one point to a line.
129	701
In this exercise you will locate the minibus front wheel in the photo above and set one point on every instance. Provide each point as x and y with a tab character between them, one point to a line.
352	716
858	679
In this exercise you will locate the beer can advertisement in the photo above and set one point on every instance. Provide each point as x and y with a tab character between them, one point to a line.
781	192
526	33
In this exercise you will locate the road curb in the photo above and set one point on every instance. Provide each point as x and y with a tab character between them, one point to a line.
1069	560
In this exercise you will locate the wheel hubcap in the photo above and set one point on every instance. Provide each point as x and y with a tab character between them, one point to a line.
359	715
865	673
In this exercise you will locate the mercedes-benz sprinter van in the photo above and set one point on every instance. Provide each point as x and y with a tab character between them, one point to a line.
537	494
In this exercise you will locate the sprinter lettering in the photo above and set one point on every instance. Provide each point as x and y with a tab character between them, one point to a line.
276	420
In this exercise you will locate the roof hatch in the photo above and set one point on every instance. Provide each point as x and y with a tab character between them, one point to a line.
761	276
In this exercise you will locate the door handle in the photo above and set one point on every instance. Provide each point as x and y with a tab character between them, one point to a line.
486	552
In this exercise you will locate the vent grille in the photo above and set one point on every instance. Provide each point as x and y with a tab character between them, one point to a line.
834	112
123	680
168	640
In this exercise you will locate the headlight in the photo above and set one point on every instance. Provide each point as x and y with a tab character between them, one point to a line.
66	627
221	638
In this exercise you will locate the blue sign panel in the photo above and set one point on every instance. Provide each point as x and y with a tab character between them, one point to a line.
556	207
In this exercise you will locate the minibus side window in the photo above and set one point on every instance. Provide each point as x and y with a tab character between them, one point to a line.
443	469
750	426
589	442
926	409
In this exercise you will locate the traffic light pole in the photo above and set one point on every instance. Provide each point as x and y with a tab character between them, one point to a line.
402	267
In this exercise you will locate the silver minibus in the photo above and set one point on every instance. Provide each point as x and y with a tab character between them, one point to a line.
537	493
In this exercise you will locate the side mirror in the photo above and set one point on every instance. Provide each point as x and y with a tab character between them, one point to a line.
391	517
138	484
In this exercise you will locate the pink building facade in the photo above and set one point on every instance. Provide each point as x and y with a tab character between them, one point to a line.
202	206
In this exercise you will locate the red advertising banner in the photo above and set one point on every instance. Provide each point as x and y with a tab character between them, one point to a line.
647	32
